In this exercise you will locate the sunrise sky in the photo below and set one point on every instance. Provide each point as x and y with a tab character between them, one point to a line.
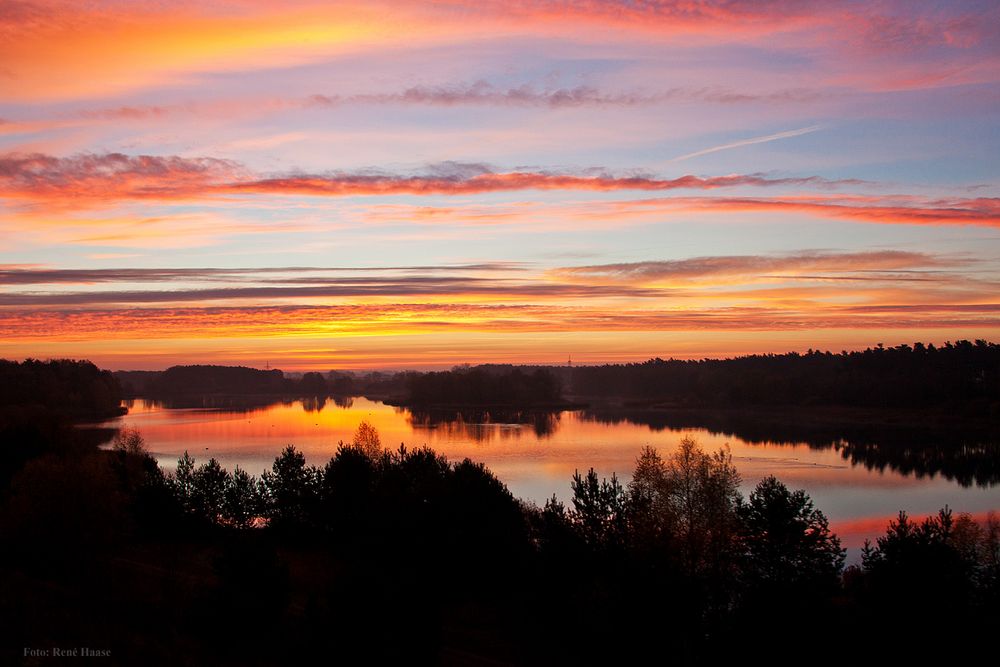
418	184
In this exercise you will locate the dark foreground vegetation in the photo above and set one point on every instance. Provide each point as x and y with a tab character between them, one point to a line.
406	557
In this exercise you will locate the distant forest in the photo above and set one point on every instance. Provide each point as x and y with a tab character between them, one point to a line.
203	380
484	386
963	376
75	389
481	385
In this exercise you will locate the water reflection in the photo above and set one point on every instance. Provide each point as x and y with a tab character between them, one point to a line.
859	475
968	455
485	425
343	401
313	403
218	402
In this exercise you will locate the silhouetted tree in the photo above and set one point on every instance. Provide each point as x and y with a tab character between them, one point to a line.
209	483
652	520
130	460
242	499
702	491
367	439
182	481
785	541
313	384
554	533
925	553
290	490
347	489
978	544
129	441
599	509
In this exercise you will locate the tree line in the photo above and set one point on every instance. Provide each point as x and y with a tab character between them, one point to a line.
963	376
960	378
71	388
180	382
482	386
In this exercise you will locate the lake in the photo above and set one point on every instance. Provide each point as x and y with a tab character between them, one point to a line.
859	481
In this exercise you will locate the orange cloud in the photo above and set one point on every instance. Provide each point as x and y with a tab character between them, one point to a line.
113	177
884	209
101	180
456	301
59	49
731	279
109	177
348	184
64	50
977	211
140	324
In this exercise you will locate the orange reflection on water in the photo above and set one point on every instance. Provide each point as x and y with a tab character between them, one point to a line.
537	454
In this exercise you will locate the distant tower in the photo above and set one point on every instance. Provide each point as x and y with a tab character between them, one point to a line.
569	361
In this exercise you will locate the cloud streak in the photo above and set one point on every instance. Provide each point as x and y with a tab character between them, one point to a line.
401	319
34	275
982	211
480	93
868	209
44	308
777	136
409	287
484	93
112	177
758	265
469	283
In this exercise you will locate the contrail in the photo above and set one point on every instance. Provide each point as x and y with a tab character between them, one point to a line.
753	140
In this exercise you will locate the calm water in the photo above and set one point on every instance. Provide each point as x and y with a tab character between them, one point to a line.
536	454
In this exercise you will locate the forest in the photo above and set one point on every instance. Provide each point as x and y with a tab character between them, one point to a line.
481	386
74	389
963	376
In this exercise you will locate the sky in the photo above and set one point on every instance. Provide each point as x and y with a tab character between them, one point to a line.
356	185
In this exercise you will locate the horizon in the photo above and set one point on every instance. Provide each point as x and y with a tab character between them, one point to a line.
550	364
414	185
